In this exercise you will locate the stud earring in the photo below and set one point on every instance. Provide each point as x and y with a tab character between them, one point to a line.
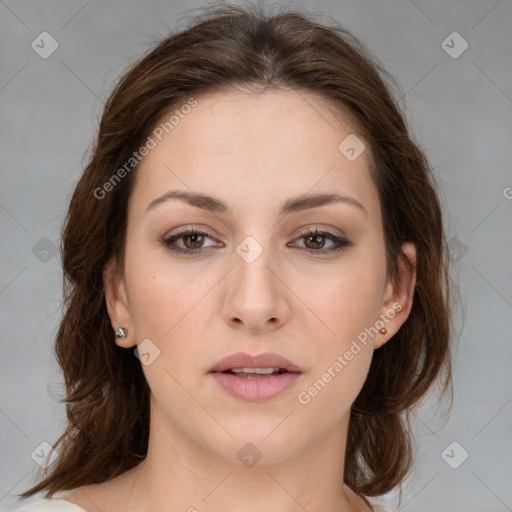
383	330
121	333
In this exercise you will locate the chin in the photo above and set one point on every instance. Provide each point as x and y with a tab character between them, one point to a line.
262	442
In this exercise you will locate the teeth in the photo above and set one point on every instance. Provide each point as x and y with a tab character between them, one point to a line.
259	371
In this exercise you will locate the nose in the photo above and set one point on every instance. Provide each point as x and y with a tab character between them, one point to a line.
256	297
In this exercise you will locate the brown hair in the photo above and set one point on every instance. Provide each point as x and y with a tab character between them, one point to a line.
107	395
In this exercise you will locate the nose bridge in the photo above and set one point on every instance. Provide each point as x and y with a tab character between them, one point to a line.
255	295
252	262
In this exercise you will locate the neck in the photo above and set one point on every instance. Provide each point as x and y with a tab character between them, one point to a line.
179	472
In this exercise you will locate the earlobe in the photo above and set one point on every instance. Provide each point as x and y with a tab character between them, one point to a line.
398	296
117	305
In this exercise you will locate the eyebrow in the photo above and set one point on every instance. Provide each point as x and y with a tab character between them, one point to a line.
291	205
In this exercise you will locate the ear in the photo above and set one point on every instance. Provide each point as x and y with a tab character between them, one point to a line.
117	303
398	296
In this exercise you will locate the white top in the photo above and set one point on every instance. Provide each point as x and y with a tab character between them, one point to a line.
62	505
50	505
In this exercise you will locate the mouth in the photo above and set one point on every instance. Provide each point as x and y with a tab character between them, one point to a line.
255	378
242	363
255	373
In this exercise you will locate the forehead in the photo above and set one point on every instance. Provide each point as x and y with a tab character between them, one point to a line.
253	147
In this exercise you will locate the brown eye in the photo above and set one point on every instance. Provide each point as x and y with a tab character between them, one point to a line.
315	240
196	240
192	242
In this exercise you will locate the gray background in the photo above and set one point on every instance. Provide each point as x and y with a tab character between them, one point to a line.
461	112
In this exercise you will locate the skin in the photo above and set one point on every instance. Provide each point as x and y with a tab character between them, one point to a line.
252	151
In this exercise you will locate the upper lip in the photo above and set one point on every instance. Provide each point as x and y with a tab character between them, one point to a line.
244	360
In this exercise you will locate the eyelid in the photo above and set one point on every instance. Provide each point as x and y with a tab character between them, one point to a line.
190	230
301	232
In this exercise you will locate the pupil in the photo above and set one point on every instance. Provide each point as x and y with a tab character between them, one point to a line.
194	237
316	237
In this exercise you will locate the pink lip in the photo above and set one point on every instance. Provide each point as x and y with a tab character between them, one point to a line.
260	389
244	360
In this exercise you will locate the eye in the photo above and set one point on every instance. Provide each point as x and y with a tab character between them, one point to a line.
193	240
315	241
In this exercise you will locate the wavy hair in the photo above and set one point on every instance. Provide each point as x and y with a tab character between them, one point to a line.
228	46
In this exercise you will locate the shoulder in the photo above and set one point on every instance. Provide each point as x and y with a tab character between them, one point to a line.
50	505
381	508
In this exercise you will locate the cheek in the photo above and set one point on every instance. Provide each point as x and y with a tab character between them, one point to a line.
348	306
340	358
174	308
166	305
159	294
329	395
349	301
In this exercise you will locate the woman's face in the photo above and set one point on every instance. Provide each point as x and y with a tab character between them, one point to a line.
252	281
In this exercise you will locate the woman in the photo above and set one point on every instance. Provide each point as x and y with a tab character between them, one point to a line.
257	288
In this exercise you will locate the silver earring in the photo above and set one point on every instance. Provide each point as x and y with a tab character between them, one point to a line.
121	333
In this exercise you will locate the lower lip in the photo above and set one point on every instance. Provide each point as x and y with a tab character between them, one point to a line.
256	390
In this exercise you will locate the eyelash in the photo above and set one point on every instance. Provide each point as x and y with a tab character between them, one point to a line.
340	242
